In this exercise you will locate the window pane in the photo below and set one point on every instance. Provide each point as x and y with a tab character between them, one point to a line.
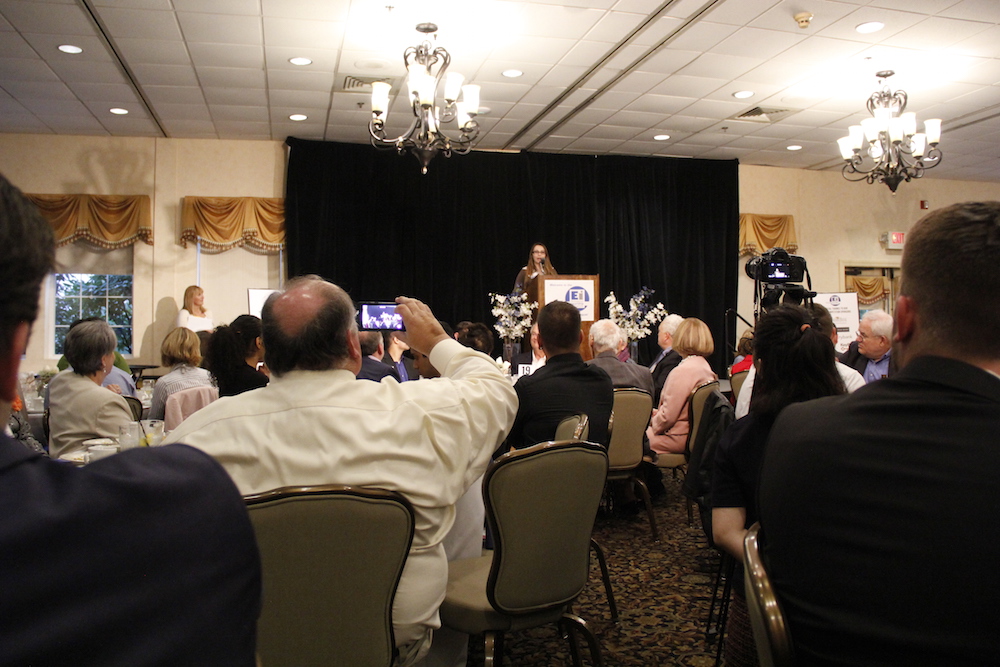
94	307
60	338
120	312
68	284
124	335
67	311
119	285
95	285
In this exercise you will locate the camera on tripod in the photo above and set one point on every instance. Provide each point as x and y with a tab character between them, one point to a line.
775	273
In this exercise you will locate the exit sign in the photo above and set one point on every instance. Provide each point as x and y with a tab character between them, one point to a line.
894	240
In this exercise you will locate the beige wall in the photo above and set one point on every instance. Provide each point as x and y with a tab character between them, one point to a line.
837	221
167	170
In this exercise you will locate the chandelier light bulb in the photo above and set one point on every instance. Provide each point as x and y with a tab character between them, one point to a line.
846	145
453	86
919	142
470	94
380	97
932	126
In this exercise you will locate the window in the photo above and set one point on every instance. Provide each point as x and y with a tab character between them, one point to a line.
82	295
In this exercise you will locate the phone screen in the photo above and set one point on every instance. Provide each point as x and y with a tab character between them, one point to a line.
379	316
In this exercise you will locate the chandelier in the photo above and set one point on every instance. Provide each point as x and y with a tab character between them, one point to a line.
887	147
425	138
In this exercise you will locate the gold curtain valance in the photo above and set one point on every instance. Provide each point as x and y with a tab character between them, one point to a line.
107	221
760	233
221	223
869	289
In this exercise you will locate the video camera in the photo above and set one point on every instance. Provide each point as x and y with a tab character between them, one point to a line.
775	273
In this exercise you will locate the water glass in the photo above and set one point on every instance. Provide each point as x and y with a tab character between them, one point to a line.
152	432
128	435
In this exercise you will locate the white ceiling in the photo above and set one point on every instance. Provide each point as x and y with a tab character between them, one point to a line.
600	76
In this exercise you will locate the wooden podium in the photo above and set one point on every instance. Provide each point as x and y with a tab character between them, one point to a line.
581	290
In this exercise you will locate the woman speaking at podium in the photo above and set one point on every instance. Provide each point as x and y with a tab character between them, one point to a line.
538	265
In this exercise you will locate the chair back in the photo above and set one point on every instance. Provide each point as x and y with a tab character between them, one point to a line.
182	404
135	405
736	381
632	410
331	558
541	503
770	631
696	405
574	427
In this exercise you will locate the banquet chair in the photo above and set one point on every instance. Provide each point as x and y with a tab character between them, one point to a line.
632	409
736	381
541	503
574	427
770	629
135	405
331	558
182	404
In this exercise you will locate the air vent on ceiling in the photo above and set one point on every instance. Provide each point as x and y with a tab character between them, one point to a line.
362	84
765	114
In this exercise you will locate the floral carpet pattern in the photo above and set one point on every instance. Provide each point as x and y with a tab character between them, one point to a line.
663	590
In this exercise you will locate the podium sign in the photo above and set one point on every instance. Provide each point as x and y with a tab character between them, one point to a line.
582	293
843	307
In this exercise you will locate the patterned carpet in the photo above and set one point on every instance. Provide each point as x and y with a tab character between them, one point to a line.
663	590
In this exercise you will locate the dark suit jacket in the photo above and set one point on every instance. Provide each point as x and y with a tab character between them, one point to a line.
143	558
879	511
623	374
372	369
661	371
564	386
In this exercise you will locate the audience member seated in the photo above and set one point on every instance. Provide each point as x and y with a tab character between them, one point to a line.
119	378
744	353
534	357
181	351
564	386
143	558
234	354
314	424
79	407
373	351
871	352
796	362
668	358
477	336
878	509
668	428
396	355
823	322
193	315
606	340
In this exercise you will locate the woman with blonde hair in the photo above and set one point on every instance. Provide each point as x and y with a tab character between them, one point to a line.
538	265
669	427
181	351
193	315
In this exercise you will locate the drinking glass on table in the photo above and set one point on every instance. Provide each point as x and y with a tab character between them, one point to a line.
152	430
128	435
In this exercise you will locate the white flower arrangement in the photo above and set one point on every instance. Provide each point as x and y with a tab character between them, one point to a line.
637	323
513	313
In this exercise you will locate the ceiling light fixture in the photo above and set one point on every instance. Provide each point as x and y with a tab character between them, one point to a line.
118	111
298	117
793	147
743	94
661	137
869	27
300	61
887	147
424	137
512	73
69	48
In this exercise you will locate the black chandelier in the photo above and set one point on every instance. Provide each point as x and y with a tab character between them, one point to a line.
887	148
425	137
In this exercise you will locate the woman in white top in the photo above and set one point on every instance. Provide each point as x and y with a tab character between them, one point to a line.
193	315
181	351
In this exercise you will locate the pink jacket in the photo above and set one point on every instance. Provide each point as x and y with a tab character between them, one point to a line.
668	429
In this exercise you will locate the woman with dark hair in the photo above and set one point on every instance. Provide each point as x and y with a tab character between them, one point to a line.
538	265
234	353
795	362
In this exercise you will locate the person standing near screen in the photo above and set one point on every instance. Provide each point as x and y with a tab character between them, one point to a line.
538	265
193	315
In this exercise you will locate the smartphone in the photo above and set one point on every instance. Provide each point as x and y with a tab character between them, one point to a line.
379	316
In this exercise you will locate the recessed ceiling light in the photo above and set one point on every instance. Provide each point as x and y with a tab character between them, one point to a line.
743	94
300	61
661	137
793	147
69	48
298	116
512	73
869	27
118	111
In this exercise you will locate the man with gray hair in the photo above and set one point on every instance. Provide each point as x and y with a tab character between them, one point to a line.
871	352
606	340
668	359
142	558
878	508
315	424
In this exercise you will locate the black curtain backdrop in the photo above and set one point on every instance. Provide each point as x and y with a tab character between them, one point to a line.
369	221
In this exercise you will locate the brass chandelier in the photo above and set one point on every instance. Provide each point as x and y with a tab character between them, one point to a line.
425	137
887	148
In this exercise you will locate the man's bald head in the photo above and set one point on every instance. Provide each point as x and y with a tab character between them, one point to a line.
308	327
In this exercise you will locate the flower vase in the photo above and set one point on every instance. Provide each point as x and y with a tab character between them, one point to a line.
633	351
510	348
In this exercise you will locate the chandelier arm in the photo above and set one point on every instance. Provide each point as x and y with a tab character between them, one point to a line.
378	133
